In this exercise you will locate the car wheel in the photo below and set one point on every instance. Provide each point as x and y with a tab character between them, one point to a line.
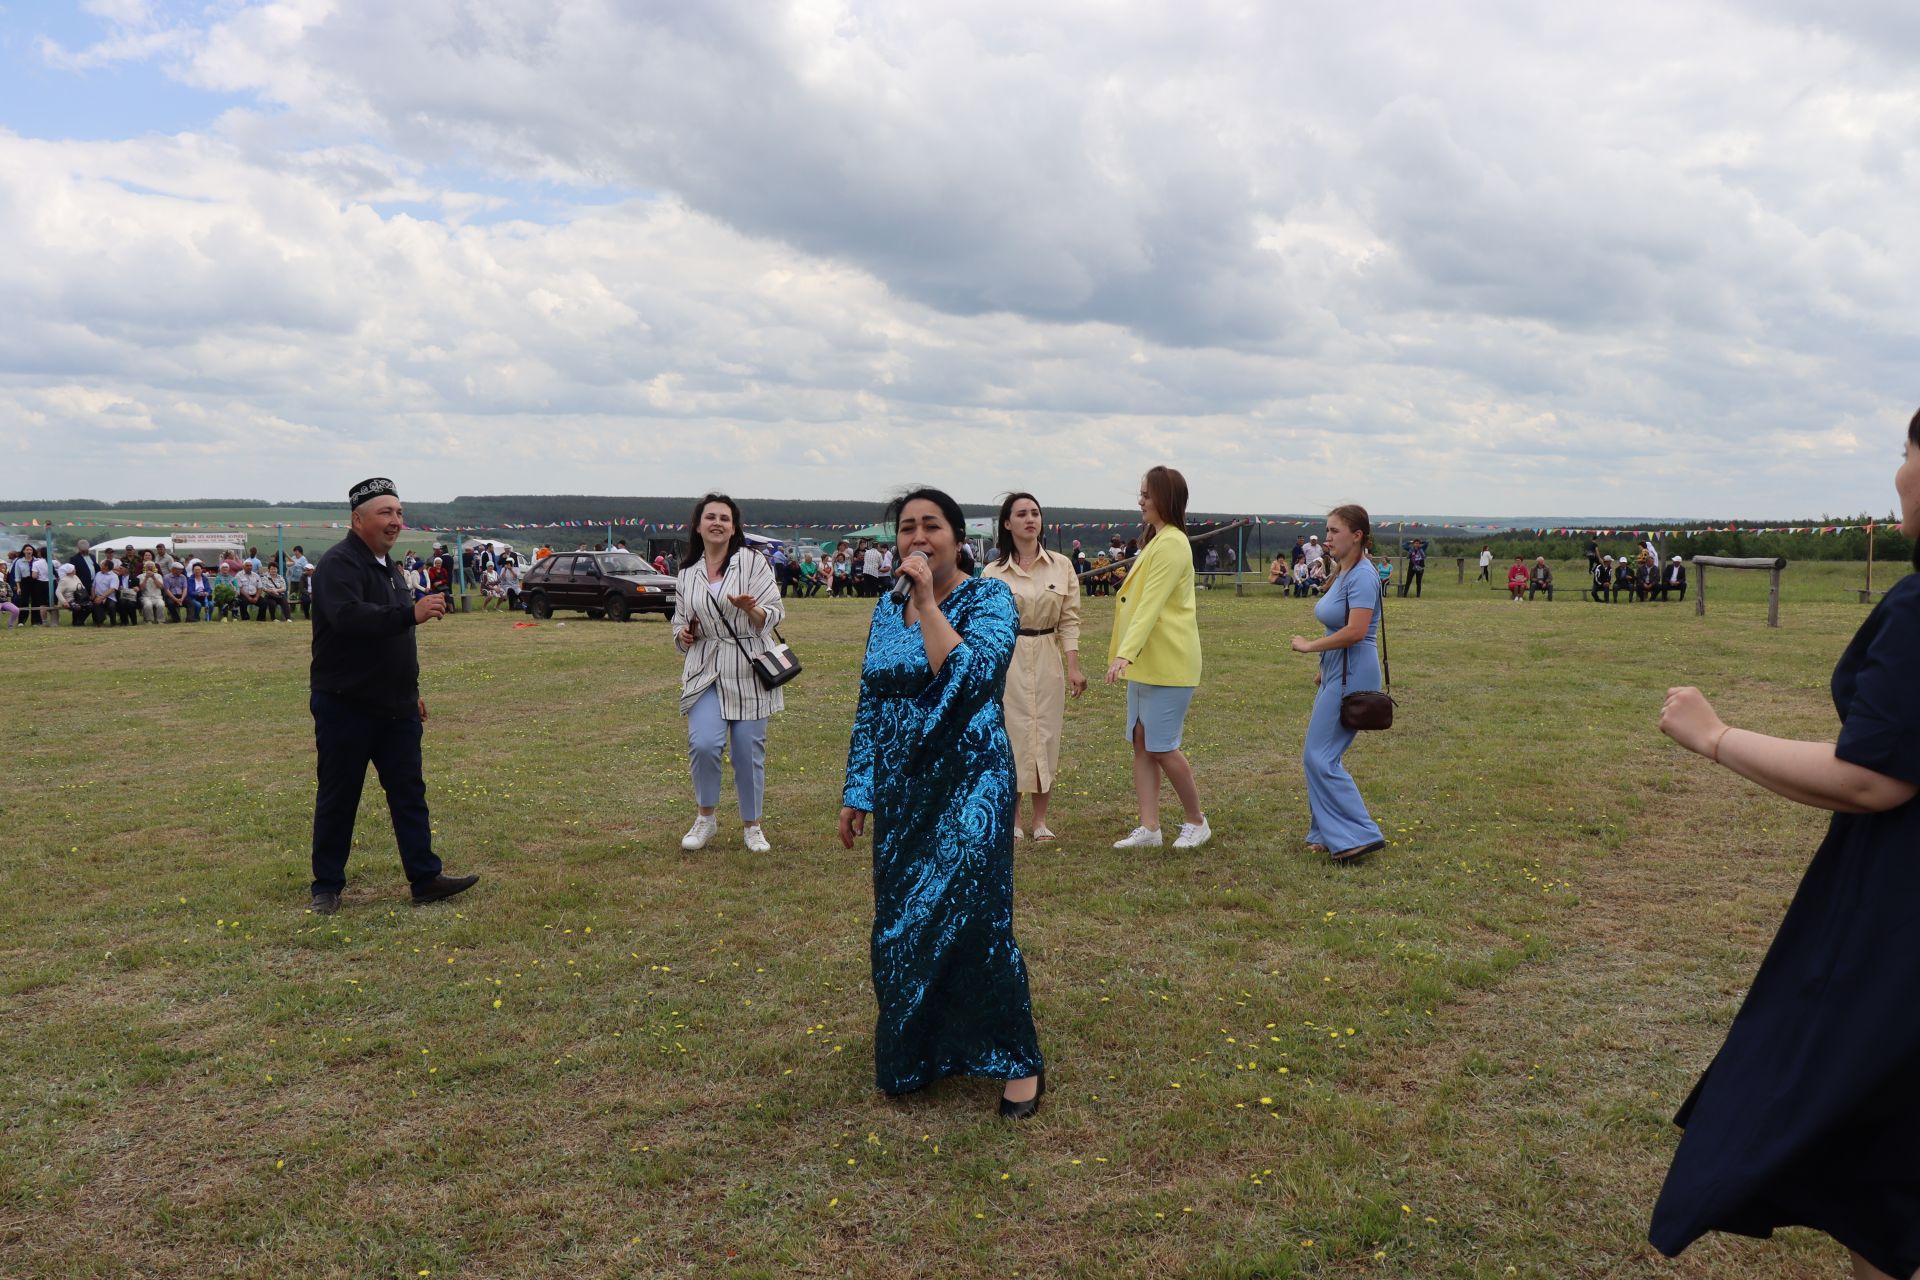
537	606
617	608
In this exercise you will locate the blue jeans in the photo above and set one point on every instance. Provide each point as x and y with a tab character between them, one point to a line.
708	735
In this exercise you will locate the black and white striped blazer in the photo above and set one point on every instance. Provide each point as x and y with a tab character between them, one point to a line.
714	659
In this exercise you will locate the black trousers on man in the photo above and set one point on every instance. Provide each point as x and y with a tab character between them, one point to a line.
348	737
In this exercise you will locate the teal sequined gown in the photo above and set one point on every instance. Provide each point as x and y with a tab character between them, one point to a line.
931	762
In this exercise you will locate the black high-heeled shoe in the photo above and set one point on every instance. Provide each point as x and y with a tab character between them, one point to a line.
1012	1110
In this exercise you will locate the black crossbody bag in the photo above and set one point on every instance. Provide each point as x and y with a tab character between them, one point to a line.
772	668
1370	708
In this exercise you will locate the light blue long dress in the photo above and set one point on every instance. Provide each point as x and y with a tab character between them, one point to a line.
1338	817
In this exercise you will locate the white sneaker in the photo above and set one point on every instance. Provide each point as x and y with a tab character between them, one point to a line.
1140	839
756	839
699	833
1193	835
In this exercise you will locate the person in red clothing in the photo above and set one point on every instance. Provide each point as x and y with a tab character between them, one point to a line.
1517	579
439	581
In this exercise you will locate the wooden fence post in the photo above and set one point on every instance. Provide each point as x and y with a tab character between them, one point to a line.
1460	564
1773	565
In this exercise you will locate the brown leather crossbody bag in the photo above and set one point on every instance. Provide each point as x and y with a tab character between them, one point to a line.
1369	708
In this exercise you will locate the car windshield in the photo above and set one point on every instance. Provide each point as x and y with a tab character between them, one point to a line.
622	562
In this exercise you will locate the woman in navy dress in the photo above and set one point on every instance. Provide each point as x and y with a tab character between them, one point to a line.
931	762
1808	1116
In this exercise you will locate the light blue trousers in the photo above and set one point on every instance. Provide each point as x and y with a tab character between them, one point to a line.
1338	816
708	735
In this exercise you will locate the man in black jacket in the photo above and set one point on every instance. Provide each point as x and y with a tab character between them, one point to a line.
84	567
366	701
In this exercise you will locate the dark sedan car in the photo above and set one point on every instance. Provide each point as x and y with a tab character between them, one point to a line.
614	584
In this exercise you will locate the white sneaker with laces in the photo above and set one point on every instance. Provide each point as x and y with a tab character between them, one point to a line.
1193	835
756	839
1140	839
700	832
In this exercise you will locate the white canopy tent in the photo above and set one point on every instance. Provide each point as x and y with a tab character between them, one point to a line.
494	544
139	542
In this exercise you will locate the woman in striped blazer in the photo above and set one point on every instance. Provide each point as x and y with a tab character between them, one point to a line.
727	604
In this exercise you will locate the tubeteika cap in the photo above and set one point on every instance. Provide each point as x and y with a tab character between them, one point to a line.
377	487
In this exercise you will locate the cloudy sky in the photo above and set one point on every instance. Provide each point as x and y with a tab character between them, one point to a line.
1492	257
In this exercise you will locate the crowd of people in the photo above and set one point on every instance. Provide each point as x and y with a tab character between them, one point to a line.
1802	1119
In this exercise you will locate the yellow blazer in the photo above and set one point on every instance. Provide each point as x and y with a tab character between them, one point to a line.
1154	627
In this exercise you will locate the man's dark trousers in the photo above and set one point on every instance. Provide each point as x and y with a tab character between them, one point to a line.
348	738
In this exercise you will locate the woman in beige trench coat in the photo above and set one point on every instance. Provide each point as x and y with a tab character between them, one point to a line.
1046	657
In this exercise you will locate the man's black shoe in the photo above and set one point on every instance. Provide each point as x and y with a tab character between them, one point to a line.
324	904
442	887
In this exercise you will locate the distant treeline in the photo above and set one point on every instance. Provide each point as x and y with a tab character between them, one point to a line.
821	517
1851	544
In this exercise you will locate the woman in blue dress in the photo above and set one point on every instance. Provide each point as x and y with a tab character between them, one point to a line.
1339	824
930	761
1807	1116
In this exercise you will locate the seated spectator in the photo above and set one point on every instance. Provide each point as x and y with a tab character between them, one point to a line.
492	594
510	584
106	594
1316	575
61	595
1675	580
1646	577
1541	579
246	586
174	585
128	606
273	595
1622	580
439	581
153	591
1386	572
1602	572
1279	573
199	593
1517	580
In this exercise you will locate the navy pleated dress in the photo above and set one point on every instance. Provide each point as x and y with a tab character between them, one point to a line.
1810	1113
930	760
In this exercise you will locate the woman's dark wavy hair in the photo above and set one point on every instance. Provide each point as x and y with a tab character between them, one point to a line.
1913	435
1003	538
695	547
949	510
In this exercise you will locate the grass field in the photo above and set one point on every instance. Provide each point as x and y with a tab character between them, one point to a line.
613	1058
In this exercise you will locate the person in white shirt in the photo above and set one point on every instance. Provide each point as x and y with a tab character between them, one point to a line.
1314	551
871	583
106	594
153	595
491	592
247	584
1486	567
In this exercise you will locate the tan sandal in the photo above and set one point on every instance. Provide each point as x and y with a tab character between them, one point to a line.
1042	833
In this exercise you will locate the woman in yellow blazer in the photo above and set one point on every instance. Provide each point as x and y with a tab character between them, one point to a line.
1156	646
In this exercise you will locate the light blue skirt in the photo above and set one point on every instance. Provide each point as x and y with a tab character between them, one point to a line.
1161	709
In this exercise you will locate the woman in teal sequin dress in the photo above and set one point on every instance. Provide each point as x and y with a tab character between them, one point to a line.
931	762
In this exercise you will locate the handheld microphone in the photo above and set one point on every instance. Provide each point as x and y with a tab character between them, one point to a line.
902	584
